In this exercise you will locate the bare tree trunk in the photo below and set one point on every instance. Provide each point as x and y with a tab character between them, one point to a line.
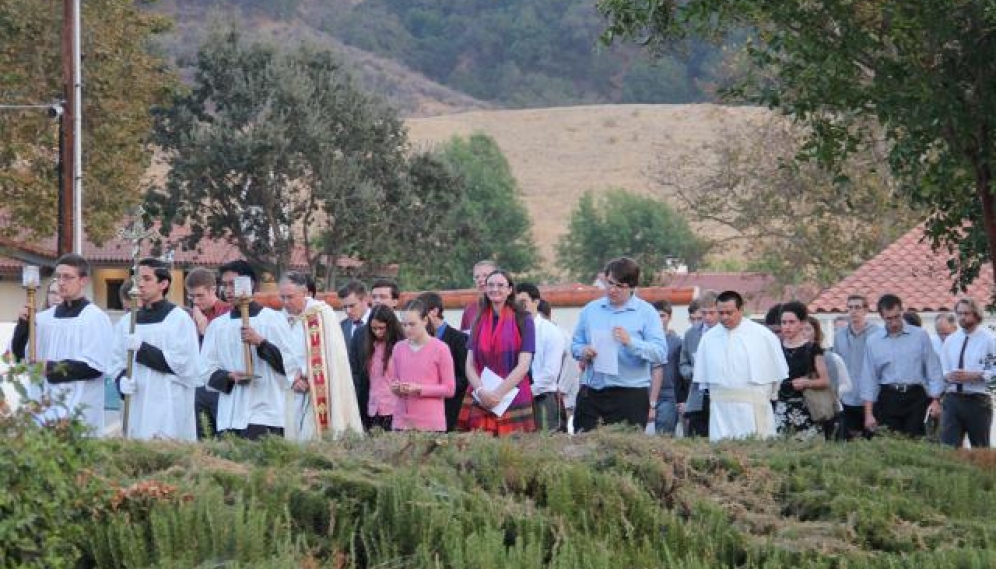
983	187
330	270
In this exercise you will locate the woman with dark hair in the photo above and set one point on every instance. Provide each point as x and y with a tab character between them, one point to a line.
840	380
807	370
502	340
382	332
423	374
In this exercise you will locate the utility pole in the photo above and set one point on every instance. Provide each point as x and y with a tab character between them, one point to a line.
70	217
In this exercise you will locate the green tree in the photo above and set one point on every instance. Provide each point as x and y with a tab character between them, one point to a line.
922	75
278	148
488	219
122	81
619	223
516	52
790	218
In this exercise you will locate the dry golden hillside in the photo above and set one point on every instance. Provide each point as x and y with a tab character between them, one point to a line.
558	153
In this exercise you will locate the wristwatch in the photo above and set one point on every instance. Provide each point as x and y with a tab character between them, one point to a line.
654	404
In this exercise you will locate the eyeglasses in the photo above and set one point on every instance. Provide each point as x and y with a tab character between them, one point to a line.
616	285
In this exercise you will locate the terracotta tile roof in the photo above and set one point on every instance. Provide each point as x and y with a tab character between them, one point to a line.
209	252
10	266
557	295
909	269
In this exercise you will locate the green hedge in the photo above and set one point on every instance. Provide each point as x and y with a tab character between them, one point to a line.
611	499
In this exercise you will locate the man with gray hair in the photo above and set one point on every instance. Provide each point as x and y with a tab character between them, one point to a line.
481	271
321	398
694	406
967	357
945	324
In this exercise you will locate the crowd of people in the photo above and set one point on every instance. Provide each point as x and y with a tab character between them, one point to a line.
229	365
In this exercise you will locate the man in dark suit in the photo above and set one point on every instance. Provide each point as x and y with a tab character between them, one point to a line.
382	291
696	406
457	341
353	296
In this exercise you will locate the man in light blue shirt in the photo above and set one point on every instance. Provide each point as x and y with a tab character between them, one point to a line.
626	333
849	343
901	380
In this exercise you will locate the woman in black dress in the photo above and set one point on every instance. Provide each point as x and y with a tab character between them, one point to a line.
807	370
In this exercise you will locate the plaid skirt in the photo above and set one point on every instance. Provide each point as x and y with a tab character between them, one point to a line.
473	417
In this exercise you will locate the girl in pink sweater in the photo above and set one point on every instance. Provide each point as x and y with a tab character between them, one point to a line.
423	374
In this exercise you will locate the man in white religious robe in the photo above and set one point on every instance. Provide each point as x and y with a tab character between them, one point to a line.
321	398
165	361
73	343
249	405
742	364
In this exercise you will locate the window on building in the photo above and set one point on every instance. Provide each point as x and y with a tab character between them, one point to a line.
113	300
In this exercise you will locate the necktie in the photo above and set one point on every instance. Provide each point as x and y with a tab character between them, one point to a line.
961	363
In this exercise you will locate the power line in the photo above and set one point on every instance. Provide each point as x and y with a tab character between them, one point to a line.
27	107
55	109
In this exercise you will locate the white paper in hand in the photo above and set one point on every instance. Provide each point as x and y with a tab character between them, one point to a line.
491	381
607	352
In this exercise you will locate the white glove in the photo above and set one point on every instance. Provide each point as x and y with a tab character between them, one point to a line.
127	385
133	342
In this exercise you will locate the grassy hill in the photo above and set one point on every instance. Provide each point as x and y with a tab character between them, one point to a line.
605	500
410	92
516	53
558	153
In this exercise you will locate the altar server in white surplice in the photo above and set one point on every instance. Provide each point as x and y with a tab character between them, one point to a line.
742	363
72	340
165	361
248	406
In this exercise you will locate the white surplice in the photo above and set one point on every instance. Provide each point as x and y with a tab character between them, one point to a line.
742	368
260	401
84	338
162	406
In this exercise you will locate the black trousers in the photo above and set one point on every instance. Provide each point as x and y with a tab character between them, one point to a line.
903	411
548	411
383	422
966	414
206	410
629	405
452	407
852	422
698	421
256	432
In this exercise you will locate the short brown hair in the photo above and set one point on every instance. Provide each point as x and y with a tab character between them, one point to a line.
972	305
75	261
862	298
201	277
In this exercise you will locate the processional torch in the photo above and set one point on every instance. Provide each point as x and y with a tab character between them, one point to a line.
30	280
243	292
136	233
